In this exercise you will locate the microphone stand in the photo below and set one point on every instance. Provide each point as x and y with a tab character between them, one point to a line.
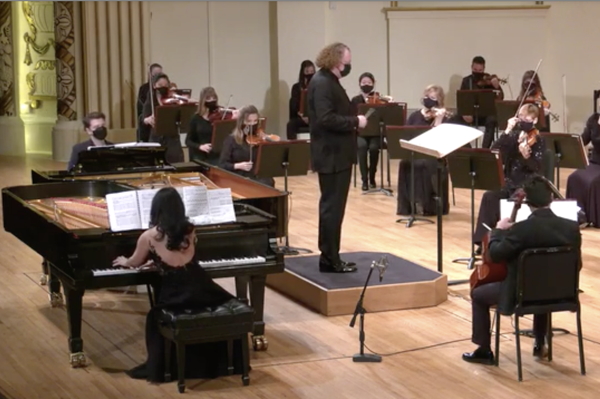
363	357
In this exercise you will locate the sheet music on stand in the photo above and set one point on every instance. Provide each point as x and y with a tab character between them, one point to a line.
567	209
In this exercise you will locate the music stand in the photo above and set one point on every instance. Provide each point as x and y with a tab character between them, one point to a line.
508	109
221	129
475	169
389	114
476	103
569	151
111	159
166	120
303	109
186	112
395	151
284	158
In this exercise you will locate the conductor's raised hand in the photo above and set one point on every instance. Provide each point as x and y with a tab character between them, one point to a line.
512	122
362	121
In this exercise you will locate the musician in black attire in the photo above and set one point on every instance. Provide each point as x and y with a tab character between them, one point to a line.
432	114
298	120
543	229
144	134
521	162
333	124
174	151
367	145
94	124
476	81
237	156
169	246
199	136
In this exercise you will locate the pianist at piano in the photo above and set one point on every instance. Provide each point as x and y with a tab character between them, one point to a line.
94	124
170	247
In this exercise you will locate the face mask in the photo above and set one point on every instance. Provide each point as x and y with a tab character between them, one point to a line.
346	71
211	105
366	89
250	129
308	76
163	91
526	126
100	133
429	103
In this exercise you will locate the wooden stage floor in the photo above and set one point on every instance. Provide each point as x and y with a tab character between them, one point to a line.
309	355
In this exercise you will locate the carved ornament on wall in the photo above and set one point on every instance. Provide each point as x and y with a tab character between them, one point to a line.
39	17
65	59
7	77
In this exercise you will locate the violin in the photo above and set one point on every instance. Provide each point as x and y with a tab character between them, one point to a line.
487	78
488	271
261	137
433	113
377	98
544	105
221	114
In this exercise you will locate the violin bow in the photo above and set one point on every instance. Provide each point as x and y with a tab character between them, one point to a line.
227	106
528	87
151	88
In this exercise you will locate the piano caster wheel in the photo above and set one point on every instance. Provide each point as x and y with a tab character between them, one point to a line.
260	343
56	300
43	279
77	360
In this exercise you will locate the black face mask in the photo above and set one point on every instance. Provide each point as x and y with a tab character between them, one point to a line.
163	91
100	133
346	70
526	126
366	89
250	129
308	76
211	105
429	103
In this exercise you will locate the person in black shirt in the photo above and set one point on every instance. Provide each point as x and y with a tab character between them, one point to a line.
370	145
237	156
521	162
94	124
535	94
144	134
475	81
298	120
333	124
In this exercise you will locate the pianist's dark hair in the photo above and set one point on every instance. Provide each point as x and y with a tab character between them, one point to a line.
87	120
167	214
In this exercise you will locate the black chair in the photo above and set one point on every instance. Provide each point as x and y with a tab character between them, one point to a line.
547	282
228	322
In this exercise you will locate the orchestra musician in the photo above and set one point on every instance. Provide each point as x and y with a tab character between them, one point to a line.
94	124
333	124
174	151
432	114
298	120
521	148
543	229
199	136
479	80
535	94
370	145
239	148
169	246
144	134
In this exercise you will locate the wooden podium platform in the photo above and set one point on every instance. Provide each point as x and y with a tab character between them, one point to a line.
405	285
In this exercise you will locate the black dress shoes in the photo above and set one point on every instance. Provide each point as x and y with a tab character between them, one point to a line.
139	372
480	355
372	183
365	186
338	267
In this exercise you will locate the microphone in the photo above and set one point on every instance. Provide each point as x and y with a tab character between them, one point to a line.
382	266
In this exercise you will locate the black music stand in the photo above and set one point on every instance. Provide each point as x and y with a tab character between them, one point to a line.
221	129
390	114
284	158
186	112
394	135
166	120
475	169
569	152
111	159
508	109
476	103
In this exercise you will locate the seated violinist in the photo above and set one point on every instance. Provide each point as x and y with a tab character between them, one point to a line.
239	151
432	114
543	229
531	90
521	148
299	120
199	136
161	85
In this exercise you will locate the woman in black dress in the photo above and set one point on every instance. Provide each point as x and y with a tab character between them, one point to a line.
297	119
237	156
535	94
432	114
169	246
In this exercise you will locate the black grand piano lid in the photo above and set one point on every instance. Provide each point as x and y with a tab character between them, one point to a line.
112	158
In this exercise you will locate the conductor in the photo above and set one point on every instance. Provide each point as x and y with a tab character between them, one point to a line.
333	149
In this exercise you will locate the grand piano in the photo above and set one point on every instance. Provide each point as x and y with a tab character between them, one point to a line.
67	224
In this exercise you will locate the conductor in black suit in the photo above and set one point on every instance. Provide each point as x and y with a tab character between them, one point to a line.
333	149
542	229
94	124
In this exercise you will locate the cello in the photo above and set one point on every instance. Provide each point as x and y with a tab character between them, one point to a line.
489	271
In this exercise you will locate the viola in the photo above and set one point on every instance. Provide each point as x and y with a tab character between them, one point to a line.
377	98
487	78
261	137
221	114
489	271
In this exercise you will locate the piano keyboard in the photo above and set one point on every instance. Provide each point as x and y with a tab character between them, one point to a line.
112	271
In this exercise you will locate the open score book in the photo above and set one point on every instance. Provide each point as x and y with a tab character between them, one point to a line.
130	210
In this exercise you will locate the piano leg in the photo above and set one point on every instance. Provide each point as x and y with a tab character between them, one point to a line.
257	301
56	298
74	299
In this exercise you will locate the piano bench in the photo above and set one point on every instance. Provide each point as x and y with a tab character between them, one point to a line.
228	322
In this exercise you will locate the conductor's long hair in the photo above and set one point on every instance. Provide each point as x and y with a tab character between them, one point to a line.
331	56
167	215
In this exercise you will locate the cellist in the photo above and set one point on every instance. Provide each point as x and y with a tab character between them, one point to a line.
543	229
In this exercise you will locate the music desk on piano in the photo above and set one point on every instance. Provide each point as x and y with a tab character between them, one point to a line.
67	224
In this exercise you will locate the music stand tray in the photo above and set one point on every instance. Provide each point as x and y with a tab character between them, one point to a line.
569	151
167	120
221	129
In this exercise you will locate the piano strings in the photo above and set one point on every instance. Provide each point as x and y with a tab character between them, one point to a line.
75	213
